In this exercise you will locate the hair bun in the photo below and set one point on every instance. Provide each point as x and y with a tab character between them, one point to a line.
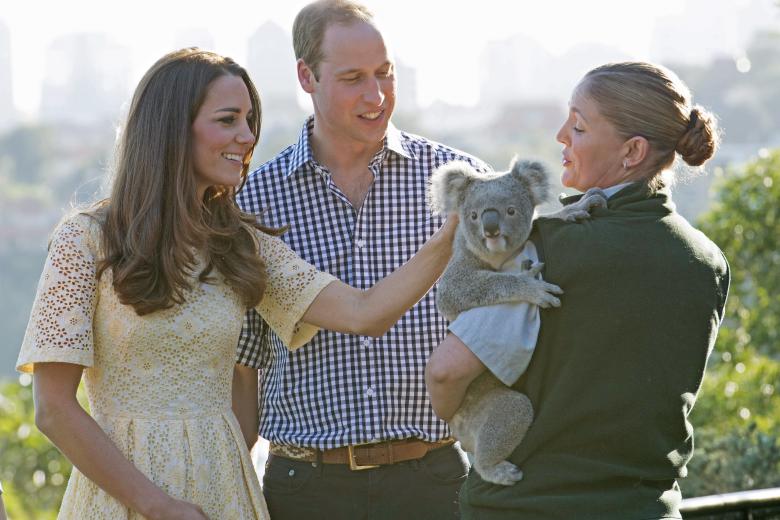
700	140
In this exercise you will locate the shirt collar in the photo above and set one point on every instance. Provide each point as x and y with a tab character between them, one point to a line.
616	188
302	154
609	192
395	142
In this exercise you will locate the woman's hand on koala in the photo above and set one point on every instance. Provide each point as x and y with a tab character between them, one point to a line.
446	233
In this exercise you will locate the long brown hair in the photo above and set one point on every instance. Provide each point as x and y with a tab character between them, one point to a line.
153	224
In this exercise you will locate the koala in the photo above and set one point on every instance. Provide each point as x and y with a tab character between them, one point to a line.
496	215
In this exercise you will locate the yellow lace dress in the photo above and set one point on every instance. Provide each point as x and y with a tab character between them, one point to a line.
160	385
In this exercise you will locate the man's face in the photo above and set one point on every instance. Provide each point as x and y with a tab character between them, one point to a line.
354	96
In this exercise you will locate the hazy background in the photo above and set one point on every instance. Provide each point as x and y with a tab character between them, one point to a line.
490	77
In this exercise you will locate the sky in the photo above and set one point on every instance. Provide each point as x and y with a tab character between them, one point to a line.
440	38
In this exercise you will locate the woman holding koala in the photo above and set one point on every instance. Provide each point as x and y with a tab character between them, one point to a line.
617	367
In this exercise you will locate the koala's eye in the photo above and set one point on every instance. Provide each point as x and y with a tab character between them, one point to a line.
510	210
473	215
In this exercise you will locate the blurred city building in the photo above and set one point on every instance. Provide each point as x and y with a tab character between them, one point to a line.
7	110
707	28
86	81
406	88
519	70
271	65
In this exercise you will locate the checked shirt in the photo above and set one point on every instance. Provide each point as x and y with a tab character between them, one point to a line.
345	389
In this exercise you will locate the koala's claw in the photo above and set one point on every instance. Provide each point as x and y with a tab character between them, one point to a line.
535	269
580	210
594	198
504	473
541	293
548	300
577	215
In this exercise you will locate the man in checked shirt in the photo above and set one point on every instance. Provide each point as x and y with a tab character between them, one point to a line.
352	431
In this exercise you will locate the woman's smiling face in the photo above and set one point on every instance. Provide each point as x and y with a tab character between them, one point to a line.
222	136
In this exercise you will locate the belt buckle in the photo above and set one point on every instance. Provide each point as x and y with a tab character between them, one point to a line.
354	466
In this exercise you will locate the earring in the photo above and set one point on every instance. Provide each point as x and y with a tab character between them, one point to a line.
625	164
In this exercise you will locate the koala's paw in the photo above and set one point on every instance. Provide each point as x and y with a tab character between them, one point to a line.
580	210
504	473
594	198
545	298
533	269
539	292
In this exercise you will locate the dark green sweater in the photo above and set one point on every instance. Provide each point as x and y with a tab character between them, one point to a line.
616	367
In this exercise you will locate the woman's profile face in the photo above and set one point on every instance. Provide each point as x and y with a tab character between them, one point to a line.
593	152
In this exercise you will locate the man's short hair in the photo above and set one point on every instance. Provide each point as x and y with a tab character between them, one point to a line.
312	21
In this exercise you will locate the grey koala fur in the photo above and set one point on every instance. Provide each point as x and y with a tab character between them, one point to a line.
496	215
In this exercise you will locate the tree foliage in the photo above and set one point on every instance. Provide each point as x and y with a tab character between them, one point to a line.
737	417
33	471
26	152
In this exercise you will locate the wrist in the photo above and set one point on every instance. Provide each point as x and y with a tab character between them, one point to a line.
153	507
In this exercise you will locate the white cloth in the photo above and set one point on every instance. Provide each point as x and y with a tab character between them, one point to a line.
502	336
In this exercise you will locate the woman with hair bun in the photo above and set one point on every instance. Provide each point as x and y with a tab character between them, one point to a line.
617	367
145	294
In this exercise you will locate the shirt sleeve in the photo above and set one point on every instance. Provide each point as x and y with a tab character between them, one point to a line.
60	325
504	336
292	284
253	342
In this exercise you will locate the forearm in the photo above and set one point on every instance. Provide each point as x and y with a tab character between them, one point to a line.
372	312
382	305
449	372
62	419
446	396
87	446
245	402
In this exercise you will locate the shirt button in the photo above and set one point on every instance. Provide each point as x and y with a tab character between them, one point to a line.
291	473
367	342
360	243
370	392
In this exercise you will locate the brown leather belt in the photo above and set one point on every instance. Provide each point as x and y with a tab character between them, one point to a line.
362	456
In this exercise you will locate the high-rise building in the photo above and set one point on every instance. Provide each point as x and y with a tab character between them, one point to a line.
706	29
271	64
408	99
86	79
515	69
7	110
519	71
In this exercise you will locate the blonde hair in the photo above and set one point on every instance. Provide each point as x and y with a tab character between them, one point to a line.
313	20
643	99
153	222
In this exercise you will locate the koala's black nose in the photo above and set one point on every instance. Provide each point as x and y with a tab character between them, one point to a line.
490	223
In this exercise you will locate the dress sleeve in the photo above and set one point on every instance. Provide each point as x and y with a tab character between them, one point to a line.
291	287
60	325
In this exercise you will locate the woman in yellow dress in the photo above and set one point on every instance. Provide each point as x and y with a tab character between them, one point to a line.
144	294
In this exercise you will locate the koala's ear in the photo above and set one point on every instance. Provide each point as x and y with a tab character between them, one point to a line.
535	175
447	185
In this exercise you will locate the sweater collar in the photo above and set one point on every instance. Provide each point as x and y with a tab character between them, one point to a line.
634	197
